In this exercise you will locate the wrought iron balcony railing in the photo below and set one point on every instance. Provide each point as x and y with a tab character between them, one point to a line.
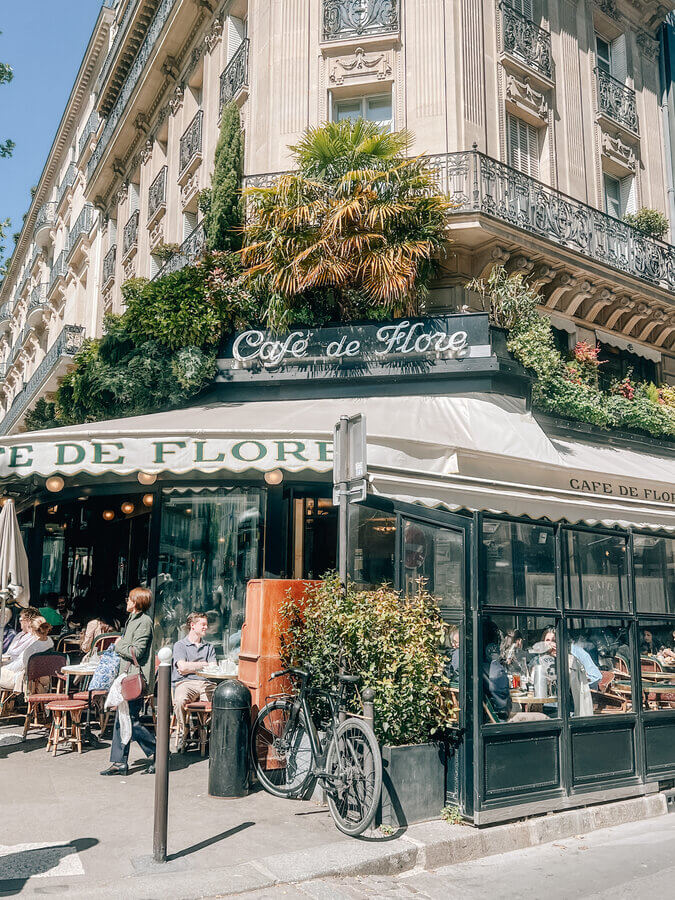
526	41
59	270
347	19
68	180
38	297
144	53
67	344
157	193
81	228
130	234
191	142
234	76
187	254
109	265
6	311
617	102
46	217
90	129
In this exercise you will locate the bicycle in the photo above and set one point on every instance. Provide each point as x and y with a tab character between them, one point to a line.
287	752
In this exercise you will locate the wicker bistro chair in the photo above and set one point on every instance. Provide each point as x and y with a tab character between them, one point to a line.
104	640
40	666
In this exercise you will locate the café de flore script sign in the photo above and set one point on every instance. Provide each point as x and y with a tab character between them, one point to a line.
399	349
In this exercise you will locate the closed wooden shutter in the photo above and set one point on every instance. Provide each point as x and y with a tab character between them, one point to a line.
628	198
236	32
523	141
619	68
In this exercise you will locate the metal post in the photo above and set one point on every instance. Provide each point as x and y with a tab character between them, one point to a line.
162	754
343	487
367	697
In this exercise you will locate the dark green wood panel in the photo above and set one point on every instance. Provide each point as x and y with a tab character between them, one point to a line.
602	754
521	765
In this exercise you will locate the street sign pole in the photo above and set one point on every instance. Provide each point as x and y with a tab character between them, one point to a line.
349	478
162	755
343	497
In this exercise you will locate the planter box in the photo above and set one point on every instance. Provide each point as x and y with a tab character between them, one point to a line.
413	783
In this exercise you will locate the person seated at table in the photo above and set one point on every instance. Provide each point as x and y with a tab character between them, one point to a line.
495	677
190	655
647	644
9	633
667	651
513	654
593	673
51	613
451	652
23	637
38	641
99	624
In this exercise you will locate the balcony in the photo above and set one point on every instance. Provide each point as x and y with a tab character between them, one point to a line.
64	347
617	102
190	152
188	253
38	299
157	197
234	77
130	236
80	230
109	261
68	181
44	222
346	20
90	129
59	271
526	42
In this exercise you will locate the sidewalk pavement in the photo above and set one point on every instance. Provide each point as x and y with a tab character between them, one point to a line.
65	831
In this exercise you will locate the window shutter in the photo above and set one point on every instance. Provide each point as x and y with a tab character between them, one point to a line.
134	198
189	224
619	62
523	146
628	199
514	143
527	9
236	32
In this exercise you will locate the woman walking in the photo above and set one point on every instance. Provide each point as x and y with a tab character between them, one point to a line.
136	641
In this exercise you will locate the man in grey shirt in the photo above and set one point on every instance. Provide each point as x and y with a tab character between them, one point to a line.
190	655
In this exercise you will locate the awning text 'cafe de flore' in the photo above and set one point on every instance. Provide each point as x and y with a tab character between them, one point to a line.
532	534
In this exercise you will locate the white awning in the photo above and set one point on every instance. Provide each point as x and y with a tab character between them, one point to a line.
614	340
474	451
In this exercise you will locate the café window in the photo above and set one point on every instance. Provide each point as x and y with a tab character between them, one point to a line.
595	571
519	669
210	547
519	564
433	558
372	546
618	364
599	667
657	664
654	564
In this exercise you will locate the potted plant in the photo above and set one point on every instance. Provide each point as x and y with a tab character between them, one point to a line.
394	644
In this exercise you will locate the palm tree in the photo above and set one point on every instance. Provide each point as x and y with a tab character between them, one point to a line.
353	230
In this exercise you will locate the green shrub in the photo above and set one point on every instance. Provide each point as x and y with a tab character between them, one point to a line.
650	222
393	643
223	205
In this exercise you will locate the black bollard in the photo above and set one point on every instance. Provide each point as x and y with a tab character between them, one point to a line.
228	743
162	755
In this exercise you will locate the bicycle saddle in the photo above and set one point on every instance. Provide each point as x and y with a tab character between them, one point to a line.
349	679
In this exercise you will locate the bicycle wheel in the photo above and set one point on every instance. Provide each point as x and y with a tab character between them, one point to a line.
354	763
282	756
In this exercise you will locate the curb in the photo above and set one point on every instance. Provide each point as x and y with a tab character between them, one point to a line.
426	846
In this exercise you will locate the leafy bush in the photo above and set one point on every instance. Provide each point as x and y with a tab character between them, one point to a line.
393	643
650	222
510	302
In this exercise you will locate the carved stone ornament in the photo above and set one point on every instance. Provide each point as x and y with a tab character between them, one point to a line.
189	189
142	123
215	34
122	194
107	294
618	151
648	46
374	65
170	67
156	234
146	152
608	7
129	267
521	94
118	166
176	100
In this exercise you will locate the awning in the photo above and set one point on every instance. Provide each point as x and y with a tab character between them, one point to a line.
474	451
613	340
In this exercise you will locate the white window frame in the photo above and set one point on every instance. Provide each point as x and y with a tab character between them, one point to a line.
363	99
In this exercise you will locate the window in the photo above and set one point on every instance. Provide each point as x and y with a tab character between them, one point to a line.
523	146
619	195
657	664
519	564
519	669
561	339
372	546
603	54
373	109
617	364
189	224
654	563
596	571
433	558
524	7
599	663
611	58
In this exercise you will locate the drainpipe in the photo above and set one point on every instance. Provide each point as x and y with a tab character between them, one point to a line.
666	40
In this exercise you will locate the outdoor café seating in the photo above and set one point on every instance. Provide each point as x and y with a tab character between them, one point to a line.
66	723
44	670
198	722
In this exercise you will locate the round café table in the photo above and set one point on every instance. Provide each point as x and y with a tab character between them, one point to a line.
86	671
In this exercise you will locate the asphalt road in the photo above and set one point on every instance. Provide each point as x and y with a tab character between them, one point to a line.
629	861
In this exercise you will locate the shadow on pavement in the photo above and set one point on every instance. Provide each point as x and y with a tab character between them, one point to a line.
209	841
36	862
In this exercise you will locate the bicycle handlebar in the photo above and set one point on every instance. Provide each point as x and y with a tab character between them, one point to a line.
301	673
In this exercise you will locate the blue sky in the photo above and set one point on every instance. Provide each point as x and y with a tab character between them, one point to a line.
43	41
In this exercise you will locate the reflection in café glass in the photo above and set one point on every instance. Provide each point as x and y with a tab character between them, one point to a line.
372	546
519	564
657	664
519	669
654	564
433	558
599	663
596	571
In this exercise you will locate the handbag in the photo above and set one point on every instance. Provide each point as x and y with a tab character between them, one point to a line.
133	686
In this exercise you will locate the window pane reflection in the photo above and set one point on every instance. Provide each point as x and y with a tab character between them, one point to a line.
372	546
434	557
210	547
599	664
596	571
519	669
657	664
520	564
654	561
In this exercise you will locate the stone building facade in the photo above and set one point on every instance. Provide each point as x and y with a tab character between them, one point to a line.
544	120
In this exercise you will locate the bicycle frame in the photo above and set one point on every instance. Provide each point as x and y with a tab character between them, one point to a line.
319	751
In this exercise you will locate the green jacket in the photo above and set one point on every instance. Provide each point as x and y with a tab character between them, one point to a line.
137	634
